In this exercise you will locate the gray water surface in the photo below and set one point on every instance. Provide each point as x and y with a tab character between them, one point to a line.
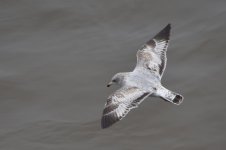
56	58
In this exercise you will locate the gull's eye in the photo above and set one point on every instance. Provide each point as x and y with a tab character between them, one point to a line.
114	80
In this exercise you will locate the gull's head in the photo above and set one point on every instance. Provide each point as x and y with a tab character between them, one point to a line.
117	79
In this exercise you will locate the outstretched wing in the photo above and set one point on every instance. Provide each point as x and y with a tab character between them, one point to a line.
120	103
152	56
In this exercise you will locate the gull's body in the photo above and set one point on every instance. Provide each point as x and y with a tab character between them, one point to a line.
142	82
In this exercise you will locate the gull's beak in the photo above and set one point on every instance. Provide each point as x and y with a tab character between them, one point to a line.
109	84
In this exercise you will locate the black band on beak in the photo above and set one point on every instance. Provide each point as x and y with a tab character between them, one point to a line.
109	84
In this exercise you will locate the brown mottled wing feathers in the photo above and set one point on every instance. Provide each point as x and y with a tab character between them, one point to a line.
120	103
152	56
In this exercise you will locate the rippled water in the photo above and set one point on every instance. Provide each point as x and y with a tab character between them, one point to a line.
57	56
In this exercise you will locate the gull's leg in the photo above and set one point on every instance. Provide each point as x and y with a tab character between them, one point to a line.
168	95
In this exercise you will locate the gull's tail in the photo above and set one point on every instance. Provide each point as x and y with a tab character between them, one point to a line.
178	99
169	96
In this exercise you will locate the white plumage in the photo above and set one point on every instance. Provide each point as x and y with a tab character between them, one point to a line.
142	82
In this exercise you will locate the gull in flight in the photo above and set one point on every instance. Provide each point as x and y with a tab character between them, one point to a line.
144	81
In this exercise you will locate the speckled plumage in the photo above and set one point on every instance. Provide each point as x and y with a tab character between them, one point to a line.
142	82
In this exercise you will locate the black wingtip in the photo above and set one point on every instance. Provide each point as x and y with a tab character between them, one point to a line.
107	121
164	33
103	124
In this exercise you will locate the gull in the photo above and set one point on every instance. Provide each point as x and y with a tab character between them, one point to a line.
144	81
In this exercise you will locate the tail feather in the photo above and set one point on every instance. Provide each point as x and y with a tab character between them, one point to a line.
169	96
178	99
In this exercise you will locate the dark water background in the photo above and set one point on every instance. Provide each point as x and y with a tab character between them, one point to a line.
57	56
